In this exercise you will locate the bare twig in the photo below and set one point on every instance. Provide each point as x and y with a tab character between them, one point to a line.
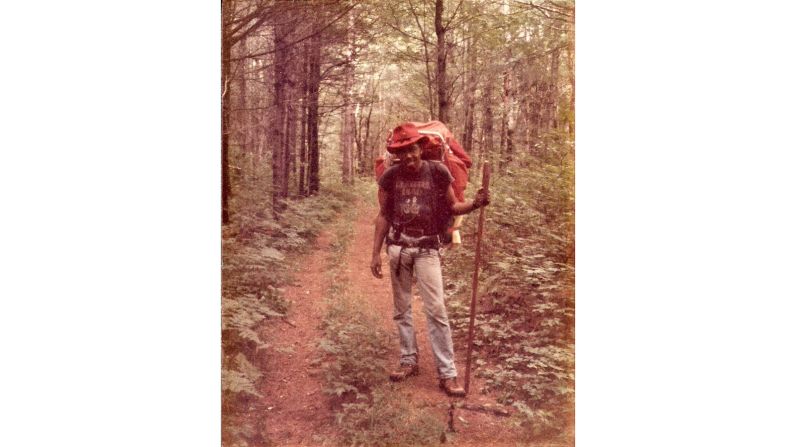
455	12
496	410
566	13
308	36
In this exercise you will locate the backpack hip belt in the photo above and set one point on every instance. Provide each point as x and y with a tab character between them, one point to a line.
416	232
406	241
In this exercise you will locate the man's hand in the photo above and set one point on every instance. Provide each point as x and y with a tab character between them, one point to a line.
375	266
482	198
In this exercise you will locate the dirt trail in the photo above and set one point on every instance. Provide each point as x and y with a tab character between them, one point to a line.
299	409
295	404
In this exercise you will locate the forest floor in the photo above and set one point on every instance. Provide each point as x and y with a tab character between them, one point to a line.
294	406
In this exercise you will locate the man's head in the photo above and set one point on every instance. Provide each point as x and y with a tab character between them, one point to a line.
411	157
405	144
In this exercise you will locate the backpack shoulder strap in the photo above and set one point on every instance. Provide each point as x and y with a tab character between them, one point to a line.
442	212
438	175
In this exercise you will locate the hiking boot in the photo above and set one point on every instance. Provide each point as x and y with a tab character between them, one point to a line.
451	387
404	370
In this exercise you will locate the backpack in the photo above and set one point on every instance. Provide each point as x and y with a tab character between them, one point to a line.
440	146
443	217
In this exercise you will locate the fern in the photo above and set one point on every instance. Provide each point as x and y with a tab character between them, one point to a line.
525	338
237	382
355	366
258	253
388	421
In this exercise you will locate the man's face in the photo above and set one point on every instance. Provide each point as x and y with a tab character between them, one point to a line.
412	158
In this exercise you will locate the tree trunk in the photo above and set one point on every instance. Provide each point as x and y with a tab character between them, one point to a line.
506	82
302	190
370	158
313	116
509	120
427	59
259	121
488	122
357	135
363	141
278	120
552	104
524	98
469	99
240	116
441	63
226	55
348	119
535	91
289	141
347	137
570	55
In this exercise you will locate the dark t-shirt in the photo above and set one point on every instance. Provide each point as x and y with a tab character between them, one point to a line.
414	197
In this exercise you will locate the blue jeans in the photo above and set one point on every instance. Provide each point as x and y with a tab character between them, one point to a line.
424	265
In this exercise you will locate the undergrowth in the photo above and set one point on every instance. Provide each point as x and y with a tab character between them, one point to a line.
354	343
367	412
524	346
387	420
258	254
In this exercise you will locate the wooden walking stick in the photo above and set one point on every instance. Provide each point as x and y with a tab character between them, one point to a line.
473	305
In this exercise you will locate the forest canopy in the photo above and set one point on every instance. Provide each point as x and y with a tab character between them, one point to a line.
311	88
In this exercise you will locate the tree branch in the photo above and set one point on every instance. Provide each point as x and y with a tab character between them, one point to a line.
333	66
425	43
547	10
406	34
452	17
289	44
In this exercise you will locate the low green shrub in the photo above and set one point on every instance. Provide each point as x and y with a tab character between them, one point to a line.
354	343
257	257
356	349
386	420
355	365
524	344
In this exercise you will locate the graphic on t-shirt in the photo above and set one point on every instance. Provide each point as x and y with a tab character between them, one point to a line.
409	206
413	187
413	202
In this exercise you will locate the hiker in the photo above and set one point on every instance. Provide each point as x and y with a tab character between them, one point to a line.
410	195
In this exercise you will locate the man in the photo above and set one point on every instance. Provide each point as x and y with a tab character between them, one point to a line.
410	195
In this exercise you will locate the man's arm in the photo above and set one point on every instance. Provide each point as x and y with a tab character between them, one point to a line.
482	198
381	228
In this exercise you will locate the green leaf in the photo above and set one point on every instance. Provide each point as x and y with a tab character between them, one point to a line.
237	382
